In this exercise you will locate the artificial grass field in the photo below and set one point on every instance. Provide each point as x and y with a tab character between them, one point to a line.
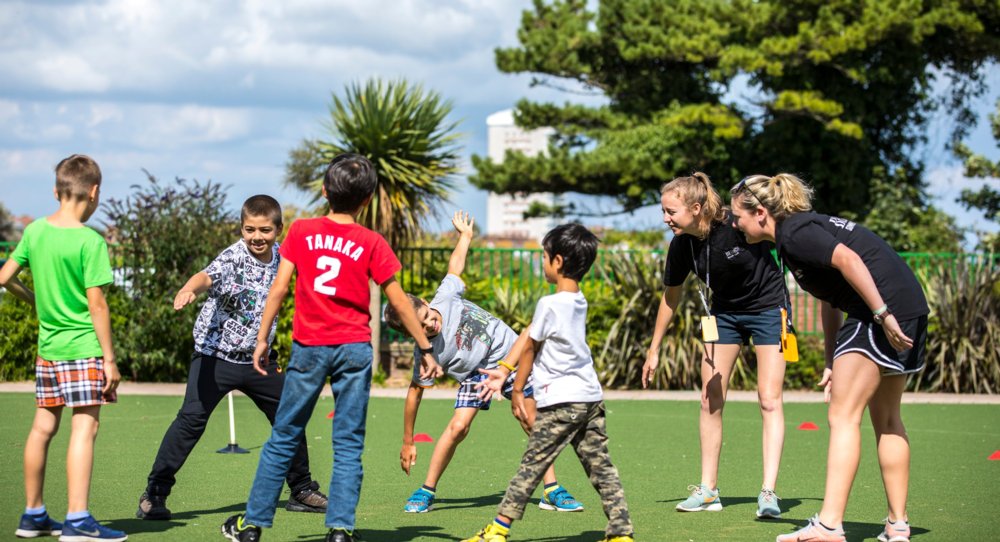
654	444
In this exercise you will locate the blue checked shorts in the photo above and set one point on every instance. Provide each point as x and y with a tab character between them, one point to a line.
468	395
73	383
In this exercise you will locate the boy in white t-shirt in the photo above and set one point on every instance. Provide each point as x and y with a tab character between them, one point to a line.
567	392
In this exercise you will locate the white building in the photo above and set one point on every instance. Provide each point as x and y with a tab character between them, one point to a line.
505	212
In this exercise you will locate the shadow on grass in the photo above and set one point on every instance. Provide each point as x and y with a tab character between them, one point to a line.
854	530
178	519
786	504
418	531
481	501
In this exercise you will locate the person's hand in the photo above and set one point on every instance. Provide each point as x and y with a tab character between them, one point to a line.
648	368
463	223
260	359
183	299
408	457
429	368
493	383
827	384
517	405
111	379
896	337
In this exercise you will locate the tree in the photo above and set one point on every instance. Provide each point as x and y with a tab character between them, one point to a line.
987	198
404	131
7	231
834	90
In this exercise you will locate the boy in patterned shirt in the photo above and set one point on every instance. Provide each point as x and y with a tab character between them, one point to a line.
76	360
225	335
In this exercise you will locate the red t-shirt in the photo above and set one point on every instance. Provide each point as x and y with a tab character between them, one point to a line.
333	263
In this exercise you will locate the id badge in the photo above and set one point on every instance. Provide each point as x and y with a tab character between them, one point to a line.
709	330
789	344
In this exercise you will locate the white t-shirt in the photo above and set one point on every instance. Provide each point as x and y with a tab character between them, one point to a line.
564	369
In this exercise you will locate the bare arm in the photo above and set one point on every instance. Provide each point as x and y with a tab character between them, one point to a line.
463	223
429	367
408	454
668	305
9	280
101	317
198	284
856	274
275	297
524	367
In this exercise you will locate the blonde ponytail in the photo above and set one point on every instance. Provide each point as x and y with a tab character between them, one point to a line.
698	189
782	195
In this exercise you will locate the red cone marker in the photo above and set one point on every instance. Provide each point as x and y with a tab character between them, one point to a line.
422	437
808	426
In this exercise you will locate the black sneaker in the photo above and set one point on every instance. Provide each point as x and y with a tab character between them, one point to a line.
153	507
309	499
237	530
341	535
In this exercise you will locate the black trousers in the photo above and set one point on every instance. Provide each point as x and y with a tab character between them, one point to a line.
209	380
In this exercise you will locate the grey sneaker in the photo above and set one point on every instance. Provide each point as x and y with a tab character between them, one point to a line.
309	499
152	507
767	505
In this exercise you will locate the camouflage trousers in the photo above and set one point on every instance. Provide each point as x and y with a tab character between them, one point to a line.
582	425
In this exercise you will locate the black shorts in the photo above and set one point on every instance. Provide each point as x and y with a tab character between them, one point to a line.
868	339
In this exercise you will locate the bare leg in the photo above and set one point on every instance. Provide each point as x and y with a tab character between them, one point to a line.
855	379
716	368
80	456
770	379
893	444
444	450
36	452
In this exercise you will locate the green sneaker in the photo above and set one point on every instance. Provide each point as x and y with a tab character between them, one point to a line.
767	505
702	499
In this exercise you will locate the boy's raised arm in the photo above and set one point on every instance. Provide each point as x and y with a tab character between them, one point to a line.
275	296
8	279
199	283
463	224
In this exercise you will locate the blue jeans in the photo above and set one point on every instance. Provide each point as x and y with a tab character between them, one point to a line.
349	367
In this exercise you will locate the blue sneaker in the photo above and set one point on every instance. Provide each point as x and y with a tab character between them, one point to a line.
767	505
88	530
33	526
560	500
420	502
702	499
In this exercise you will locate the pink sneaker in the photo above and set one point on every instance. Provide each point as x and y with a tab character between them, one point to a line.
895	532
813	532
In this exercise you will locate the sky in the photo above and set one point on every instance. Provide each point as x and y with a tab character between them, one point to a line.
223	90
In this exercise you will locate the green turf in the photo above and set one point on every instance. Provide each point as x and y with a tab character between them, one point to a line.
653	444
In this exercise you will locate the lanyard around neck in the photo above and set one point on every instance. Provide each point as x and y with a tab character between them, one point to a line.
702	292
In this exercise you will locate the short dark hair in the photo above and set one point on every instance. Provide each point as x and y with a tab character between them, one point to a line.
350	179
76	175
577	246
261	205
391	315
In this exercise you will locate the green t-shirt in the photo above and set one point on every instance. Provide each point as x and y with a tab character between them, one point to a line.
64	262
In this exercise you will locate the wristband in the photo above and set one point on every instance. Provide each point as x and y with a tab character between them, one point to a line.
880	310
424	351
880	315
506	365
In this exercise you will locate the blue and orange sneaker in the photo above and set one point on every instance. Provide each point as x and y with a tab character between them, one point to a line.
702	499
420	502
35	526
767	505
558	499
89	530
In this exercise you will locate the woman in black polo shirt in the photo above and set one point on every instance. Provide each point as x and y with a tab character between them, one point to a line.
851	270
747	296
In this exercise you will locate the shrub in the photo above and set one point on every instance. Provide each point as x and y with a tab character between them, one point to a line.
19	340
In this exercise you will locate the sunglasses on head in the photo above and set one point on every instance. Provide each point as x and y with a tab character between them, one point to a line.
738	187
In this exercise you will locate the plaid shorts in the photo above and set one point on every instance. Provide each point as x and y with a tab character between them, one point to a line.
468	395
73	383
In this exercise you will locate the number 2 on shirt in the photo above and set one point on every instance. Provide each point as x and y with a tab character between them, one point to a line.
332	267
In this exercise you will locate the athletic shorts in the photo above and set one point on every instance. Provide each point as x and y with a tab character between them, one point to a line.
73	383
739	327
868	339
468	395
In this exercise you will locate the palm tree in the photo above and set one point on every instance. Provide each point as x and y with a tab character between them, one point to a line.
404	132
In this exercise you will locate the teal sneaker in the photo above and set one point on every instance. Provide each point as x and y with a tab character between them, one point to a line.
560	500
420	502
702	499
767	505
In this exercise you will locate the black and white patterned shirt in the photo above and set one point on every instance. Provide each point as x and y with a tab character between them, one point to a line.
227	325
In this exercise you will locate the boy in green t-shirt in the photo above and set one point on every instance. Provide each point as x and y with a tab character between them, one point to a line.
76	362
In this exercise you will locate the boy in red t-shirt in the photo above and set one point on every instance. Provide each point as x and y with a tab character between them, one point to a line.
334	258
